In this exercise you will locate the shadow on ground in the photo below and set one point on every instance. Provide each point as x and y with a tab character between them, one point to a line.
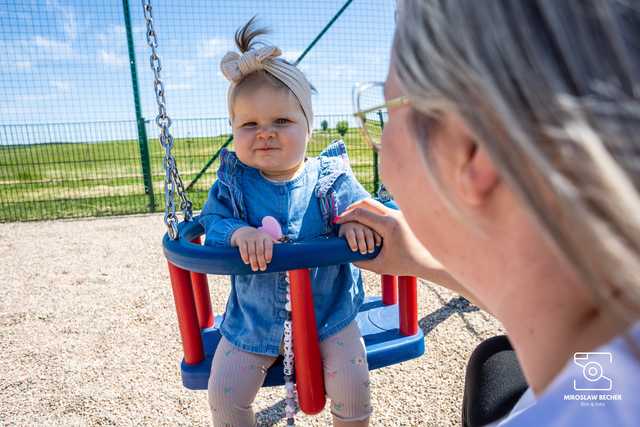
459	306
270	416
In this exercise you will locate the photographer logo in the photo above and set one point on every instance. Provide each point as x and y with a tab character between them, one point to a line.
593	378
590	382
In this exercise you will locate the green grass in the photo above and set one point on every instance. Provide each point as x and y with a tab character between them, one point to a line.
47	181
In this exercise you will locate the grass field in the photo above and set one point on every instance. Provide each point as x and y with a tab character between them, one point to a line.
63	180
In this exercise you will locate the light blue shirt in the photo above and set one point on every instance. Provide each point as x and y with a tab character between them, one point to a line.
305	207
598	388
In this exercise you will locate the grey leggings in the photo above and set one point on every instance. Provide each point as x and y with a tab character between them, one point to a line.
236	376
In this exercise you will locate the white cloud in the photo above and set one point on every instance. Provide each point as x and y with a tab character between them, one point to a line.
28	98
291	55
20	51
23	65
373	56
187	68
212	48
111	58
54	49
332	72
69	25
344	72
61	85
178	87
113	36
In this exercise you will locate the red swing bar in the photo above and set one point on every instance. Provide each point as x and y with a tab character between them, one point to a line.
306	348
408	306
187	315
200	287
389	289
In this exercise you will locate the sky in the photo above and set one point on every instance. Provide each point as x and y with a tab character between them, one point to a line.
65	62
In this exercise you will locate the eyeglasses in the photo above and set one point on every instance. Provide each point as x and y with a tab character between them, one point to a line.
372	110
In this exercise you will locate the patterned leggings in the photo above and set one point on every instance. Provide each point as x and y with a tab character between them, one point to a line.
236	377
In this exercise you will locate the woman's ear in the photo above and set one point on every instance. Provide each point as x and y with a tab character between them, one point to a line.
477	176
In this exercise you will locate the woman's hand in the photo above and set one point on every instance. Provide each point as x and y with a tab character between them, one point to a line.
256	247
402	253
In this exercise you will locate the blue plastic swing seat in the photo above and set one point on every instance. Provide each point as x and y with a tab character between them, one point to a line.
379	324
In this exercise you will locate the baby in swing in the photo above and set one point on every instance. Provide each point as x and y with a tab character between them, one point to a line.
268	175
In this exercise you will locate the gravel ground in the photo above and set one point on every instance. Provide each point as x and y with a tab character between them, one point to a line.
88	336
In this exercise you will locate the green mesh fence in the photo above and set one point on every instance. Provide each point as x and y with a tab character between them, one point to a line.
73	143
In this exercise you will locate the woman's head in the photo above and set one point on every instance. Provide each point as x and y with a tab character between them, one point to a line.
543	96
269	104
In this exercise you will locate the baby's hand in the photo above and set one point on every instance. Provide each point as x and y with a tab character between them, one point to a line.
360	237
256	247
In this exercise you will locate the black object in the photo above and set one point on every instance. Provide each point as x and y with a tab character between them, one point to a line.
493	383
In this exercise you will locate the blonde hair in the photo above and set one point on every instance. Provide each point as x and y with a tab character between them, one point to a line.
551	90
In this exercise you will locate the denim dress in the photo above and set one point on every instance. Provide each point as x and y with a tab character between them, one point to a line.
305	207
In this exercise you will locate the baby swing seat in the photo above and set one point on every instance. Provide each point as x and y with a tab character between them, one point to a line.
389	330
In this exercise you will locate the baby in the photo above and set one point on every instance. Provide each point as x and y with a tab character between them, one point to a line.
269	104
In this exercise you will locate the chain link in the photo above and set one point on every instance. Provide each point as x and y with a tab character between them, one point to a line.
172	181
289	362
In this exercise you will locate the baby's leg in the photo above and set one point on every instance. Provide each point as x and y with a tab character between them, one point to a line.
236	376
346	377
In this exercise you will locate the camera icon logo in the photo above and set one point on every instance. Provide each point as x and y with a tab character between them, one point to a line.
593	378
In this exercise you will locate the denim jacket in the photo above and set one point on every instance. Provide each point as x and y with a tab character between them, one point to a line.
305	207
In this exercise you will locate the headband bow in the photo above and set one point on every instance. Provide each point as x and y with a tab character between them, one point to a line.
235	66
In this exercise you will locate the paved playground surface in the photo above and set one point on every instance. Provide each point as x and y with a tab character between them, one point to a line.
88	336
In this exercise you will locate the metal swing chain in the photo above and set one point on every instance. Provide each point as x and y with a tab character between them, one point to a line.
288	362
172	179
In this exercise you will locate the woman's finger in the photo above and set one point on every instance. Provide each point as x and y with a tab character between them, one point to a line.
367	204
374	220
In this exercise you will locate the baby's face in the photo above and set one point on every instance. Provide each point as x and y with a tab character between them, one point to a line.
269	129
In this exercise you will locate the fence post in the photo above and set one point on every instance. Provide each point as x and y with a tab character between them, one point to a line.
142	131
376	172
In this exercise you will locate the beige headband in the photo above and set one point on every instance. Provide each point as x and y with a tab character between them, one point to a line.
235	67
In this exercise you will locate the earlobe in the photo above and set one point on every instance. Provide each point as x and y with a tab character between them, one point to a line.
477	177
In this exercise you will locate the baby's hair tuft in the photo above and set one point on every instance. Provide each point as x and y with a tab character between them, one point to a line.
245	36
